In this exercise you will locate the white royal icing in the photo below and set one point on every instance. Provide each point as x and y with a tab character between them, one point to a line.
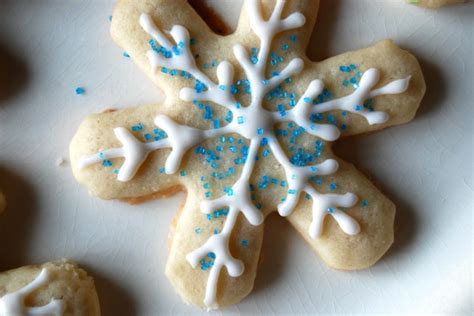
13	304
255	123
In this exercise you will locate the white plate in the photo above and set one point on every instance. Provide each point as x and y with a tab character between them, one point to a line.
425	166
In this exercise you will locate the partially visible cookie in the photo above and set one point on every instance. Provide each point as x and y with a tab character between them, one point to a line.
434	4
55	288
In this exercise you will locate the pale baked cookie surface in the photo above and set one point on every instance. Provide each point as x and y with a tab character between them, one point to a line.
247	129
55	288
434	4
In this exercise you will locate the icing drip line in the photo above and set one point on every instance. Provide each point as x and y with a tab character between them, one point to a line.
13	303
254	123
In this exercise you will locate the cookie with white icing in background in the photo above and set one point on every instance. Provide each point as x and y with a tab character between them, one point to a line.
246	130
54	288
434	4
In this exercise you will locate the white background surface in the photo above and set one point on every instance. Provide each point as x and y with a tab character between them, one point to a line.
425	167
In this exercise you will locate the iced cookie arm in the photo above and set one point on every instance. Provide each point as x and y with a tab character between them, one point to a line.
373	212
396	86
309	8
97	152
129	32
193	230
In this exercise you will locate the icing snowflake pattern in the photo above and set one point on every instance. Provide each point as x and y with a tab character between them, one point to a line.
253	122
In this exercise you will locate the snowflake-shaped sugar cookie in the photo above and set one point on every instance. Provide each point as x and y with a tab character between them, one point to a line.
246	129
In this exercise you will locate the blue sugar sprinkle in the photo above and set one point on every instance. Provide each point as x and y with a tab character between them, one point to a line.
80	91
116	171
107	163
333	186
206	265
137	128
162	169
216	231
199	86
198	230
358	108
244	243
126	55
110	18
285	47
101	155
147	136
240	120
331	119
182	173
319	180
283	183
330	210
365	203
222	87
345	69
293	38
211	255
